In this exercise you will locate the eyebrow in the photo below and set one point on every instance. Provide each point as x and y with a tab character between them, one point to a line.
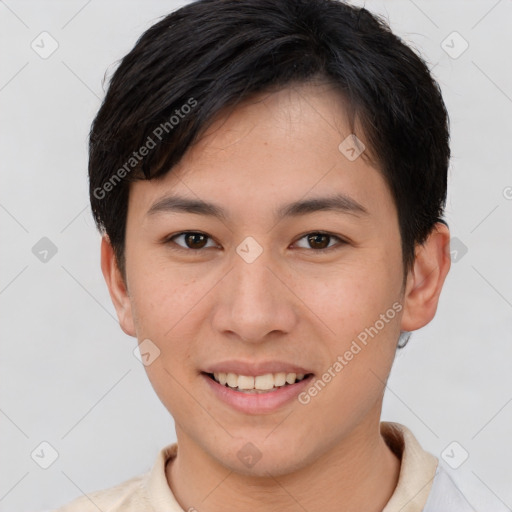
339	202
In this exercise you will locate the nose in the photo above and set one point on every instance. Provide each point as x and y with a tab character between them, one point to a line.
256	302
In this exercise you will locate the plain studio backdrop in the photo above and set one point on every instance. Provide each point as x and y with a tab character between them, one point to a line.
77	412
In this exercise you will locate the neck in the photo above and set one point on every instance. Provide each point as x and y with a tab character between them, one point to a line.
359	473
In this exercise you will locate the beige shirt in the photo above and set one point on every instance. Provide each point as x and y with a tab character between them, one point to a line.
150	492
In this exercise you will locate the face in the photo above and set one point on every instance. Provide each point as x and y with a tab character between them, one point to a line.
296	269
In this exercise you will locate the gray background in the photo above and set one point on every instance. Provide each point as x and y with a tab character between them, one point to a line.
68	373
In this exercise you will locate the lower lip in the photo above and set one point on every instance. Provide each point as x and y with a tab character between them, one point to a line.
257	403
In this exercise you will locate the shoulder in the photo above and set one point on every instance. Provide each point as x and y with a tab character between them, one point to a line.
134	495
445	495
128	496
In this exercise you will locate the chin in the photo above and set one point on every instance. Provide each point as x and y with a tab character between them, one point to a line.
256	456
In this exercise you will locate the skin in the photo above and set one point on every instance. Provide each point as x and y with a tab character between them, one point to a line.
294	303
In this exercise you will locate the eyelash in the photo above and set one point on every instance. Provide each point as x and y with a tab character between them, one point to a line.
170	240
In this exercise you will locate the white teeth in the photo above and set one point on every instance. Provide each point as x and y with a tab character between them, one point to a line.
264	382
279	379
245	382
290	377
232	380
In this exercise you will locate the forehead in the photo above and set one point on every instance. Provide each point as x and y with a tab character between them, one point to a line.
314	114
272	149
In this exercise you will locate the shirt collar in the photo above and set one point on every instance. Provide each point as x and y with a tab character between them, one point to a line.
417	469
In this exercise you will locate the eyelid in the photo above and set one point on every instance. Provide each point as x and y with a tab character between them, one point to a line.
169	240
341	241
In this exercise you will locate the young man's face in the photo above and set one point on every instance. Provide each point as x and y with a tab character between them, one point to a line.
256	295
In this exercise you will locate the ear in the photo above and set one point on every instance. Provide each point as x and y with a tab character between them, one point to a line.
116	287
425	280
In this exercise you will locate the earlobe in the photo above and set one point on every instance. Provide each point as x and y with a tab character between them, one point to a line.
426	278
116	287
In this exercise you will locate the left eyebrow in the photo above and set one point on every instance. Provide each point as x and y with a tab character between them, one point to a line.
339	202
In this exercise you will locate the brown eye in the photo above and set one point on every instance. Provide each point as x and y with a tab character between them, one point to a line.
319	241
195	240
192	240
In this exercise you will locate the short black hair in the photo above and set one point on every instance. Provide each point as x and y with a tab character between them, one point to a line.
210	55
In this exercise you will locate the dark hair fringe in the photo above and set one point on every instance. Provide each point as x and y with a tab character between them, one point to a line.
222	52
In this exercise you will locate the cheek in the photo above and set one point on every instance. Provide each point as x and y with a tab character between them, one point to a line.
164	307
359	346
161	294
358	305
166	310
349	296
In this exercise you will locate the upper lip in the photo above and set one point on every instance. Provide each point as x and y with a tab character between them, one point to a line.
253	369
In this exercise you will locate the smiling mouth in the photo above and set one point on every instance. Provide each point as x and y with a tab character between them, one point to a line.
260	384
